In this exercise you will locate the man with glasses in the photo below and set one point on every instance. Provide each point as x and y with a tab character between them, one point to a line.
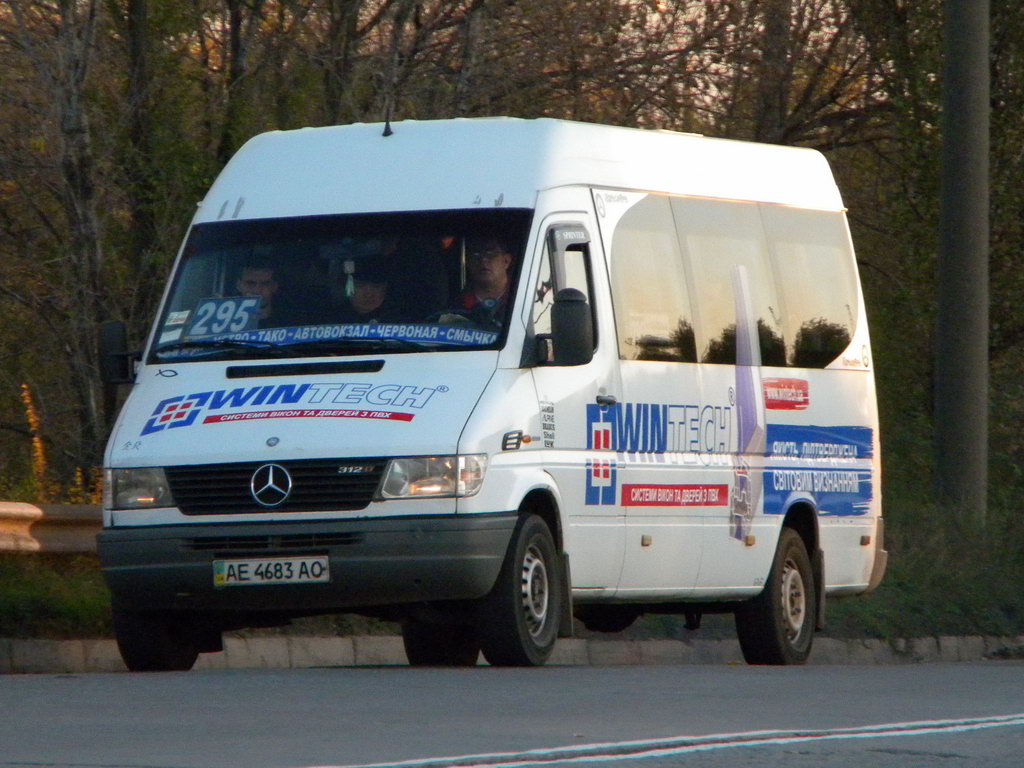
485	299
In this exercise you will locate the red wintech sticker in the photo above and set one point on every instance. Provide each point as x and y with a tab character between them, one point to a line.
309	413
675	495
786	394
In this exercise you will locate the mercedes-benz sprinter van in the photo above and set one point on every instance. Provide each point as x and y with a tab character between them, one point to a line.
482	376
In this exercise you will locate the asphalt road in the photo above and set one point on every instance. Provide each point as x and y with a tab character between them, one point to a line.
953	715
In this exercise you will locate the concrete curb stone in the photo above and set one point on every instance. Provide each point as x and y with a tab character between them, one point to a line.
321	651
716	652
283	652
829	650
377	650
47	656
924	648
102	656
259	652
572	651
613	652
662	652
949	649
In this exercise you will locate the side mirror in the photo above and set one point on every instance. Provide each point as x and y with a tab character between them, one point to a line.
572	328
115	359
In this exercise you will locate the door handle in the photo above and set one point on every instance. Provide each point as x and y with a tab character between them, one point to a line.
606	400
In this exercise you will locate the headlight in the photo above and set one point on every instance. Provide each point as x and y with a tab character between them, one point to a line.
433	476
142	488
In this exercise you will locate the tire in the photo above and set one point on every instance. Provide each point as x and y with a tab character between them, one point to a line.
777	626
440	645
153	642
518	621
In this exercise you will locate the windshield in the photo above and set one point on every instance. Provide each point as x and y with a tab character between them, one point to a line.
343	285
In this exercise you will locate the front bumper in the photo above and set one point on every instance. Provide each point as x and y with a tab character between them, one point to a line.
373	562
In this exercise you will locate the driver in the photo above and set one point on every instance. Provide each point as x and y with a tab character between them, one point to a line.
259	280
486	297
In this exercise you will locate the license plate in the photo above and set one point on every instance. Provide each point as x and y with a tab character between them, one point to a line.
271	570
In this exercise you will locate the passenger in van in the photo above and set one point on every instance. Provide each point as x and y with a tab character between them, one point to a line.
369	300
485	298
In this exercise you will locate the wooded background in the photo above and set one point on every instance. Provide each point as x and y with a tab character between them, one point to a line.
115	116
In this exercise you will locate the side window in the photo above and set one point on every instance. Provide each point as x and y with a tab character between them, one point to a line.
738	312
577	275
652	304
813	261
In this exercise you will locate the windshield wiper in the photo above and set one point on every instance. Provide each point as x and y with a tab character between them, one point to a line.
214	345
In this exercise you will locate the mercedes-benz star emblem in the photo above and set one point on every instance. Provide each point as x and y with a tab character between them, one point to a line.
270	485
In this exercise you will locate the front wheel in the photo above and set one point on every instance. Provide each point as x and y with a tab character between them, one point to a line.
777	626
154	642
440	645
518	620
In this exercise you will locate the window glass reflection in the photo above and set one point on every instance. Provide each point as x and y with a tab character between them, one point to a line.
725	249
652	305
812	258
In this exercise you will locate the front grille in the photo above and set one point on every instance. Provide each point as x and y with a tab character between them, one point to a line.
318	485
267	543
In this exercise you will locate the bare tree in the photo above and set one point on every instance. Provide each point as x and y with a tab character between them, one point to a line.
802	76
58	40
336	54
243	24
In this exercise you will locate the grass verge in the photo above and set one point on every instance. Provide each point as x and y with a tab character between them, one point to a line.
53	596
944	578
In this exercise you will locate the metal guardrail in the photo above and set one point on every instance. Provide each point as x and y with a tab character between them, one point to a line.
49	527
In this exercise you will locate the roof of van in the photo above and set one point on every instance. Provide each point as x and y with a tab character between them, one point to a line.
486	162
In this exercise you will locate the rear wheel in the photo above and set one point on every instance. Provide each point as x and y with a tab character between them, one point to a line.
518	620
440	645
777	626
155	642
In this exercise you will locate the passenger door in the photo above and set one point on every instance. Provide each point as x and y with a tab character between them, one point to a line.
575	425
670	446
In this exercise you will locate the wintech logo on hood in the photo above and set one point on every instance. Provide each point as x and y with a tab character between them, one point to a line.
356	401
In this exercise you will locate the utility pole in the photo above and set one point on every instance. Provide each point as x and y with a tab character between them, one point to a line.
961	342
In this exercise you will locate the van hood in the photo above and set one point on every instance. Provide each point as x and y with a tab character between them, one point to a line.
416	404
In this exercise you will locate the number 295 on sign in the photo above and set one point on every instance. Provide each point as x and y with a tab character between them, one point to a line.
271	570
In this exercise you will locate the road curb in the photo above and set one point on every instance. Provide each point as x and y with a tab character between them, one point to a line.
303	652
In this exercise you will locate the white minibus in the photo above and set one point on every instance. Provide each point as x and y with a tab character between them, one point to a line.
483	376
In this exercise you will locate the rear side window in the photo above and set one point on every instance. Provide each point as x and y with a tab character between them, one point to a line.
728	282
724	245
813	263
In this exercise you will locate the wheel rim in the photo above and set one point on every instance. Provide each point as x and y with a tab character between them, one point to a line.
794	600
535	590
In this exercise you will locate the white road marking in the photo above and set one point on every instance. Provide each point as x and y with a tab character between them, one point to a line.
681	745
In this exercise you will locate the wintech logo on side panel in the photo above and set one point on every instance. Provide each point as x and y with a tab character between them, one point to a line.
602	474
602	481
625	428
662	428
